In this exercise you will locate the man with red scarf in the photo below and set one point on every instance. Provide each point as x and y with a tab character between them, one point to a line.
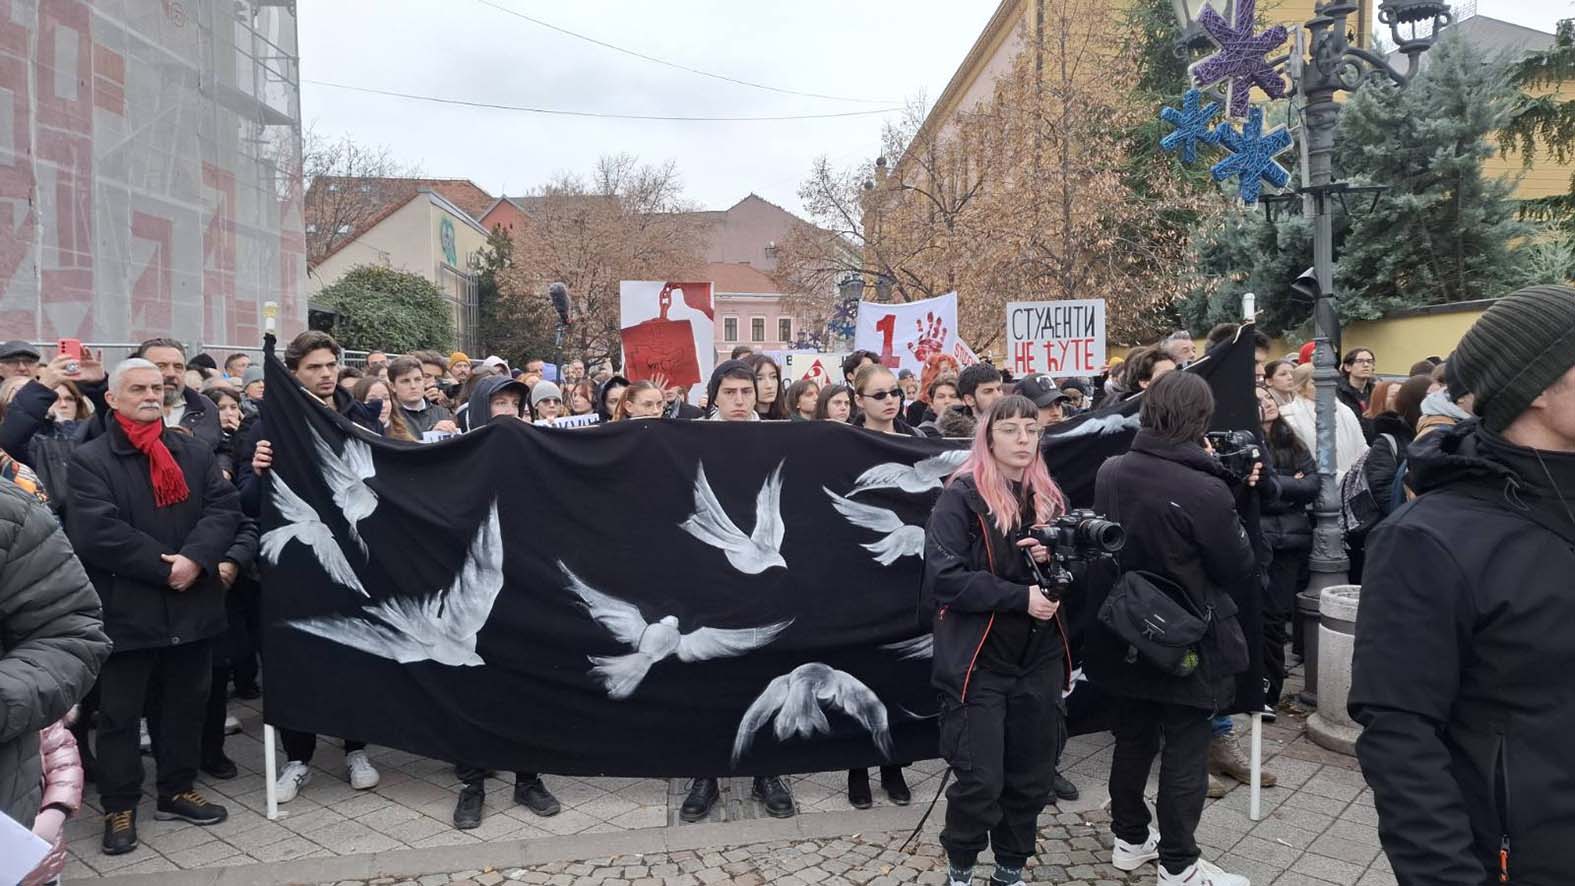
153	520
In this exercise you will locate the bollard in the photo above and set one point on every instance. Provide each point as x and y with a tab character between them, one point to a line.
1332	727
1307	623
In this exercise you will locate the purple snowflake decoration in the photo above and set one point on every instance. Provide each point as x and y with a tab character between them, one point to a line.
1193	124
1252	155
1242	58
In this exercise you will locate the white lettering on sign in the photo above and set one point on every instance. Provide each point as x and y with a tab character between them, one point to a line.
1065	338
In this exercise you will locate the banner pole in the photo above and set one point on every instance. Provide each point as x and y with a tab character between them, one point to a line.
270	773
1255	811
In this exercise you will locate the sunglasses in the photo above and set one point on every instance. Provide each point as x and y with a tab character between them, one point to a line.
881	395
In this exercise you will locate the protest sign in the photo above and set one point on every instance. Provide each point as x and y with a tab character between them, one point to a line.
823	369
668	331
1056	337
905	335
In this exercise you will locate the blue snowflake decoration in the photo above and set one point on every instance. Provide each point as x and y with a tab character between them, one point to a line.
1252	155
844	319
1193	122
1242	59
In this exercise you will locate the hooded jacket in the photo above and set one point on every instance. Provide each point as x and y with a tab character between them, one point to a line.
1464	672
476	412
602	389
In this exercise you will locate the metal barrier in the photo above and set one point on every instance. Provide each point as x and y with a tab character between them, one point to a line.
115	351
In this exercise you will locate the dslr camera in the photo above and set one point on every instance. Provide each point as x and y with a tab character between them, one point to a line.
1078	536
1237	451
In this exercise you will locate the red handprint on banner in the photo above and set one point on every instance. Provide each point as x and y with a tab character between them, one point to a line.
932	337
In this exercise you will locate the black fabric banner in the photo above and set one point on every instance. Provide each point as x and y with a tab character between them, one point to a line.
650	598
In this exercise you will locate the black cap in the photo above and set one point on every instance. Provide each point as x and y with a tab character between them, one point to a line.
1041	389
17	348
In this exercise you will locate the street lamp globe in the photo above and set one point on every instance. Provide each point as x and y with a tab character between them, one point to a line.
1187	12
851	289
1420	19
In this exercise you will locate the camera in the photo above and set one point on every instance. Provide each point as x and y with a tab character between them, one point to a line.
1237	451
1077	536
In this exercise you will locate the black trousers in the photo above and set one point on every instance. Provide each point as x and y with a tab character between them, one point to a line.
1288	574
299	746
475	775
1183	776
243	605
172	682
1002	744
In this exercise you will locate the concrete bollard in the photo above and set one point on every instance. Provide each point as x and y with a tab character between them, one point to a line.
1332	727
1307	622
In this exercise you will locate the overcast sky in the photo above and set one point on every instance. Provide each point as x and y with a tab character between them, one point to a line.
884	50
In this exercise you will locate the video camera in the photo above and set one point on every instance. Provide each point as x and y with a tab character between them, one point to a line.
1237	451
1079	536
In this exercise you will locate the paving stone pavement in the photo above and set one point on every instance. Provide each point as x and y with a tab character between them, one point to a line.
1319	829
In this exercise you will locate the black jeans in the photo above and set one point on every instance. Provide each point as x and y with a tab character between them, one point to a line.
172	682
1183	776
1002	744
243	606
475	775
299	746
1288	574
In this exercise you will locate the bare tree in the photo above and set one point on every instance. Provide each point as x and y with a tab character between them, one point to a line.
346	188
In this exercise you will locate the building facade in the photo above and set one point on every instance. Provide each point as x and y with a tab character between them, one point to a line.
750	310
150	171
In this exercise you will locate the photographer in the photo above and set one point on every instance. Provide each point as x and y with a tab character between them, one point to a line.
1174	500
999	660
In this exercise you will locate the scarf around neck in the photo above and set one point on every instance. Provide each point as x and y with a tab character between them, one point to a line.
169	482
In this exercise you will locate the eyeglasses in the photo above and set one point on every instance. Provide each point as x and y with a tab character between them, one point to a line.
1363	361
881	395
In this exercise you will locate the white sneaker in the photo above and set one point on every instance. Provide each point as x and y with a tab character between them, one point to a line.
295	775
1127	857
1202	873
144	740
363	775
232	724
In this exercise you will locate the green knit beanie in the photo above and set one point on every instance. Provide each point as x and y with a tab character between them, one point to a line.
1516	350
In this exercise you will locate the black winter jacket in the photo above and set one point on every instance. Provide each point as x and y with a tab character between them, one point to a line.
119	534
1383	462
1464	671
1283	517
1181	523
973	577
1357	399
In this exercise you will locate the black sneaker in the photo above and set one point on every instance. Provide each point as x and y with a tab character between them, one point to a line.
192	807
533	795
895	786
220	767
859	789
1270	713
771	791
120	832
702	796
1064	789
467	812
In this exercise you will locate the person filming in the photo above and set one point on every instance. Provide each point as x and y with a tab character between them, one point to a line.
999	649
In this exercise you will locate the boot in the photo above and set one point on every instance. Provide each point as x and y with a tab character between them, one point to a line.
467	812
1225	758
533	795
1219	787
120	832
859	796
1064	789
702	796
895	786
771	791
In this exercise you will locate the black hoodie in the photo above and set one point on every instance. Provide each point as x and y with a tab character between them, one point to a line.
1464	670
477	411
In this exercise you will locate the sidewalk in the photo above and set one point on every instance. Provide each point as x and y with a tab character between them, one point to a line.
1319	829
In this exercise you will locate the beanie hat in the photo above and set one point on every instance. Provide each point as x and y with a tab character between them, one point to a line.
1516	350
545	390
458	357
1305	355
252	374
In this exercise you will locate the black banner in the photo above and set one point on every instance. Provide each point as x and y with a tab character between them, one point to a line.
650	598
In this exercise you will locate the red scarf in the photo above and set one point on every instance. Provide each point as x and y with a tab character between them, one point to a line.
169	482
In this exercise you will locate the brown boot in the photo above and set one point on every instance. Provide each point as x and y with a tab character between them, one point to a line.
1218	787
1226	759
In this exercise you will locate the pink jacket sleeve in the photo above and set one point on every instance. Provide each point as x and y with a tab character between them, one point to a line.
63	776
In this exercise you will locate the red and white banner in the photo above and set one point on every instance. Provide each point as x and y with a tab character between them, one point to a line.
823	369
1060	338
905	335
668	331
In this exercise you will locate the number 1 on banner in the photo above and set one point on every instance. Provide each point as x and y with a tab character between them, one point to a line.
887	327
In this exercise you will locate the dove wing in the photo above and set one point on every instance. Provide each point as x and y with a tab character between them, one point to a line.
469	599
331	558
887	476
304	526
905	542
710	523
938	467
863	515
908	650
621	619
858	701
290	506
769	528
759	713
358	632
708	643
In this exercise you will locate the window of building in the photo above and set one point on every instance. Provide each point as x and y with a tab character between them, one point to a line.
311	229
344	229
730	329
757	329
771	249
784	329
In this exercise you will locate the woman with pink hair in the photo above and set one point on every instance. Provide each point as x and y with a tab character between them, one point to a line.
1000	648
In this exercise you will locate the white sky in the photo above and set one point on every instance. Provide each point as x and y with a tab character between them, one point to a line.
463	49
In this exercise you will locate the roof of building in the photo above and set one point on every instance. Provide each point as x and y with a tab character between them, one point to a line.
731	278
1492	36
462	192
391	208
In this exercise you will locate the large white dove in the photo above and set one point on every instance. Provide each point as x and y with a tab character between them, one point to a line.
441	627
921	476
346	475
901	540
307	528
652	642
795	699
750	554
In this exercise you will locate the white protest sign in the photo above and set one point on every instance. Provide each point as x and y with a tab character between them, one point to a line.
1056	337
823	369
571	421
905	335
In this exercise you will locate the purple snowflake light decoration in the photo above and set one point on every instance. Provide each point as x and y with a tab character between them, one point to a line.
1252	155
1194	123
1242	58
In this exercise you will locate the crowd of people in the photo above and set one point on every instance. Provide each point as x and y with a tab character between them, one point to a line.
129	595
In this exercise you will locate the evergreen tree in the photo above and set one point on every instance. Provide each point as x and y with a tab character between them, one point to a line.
1245	253
388	310
1442	231
491	259
1541	120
